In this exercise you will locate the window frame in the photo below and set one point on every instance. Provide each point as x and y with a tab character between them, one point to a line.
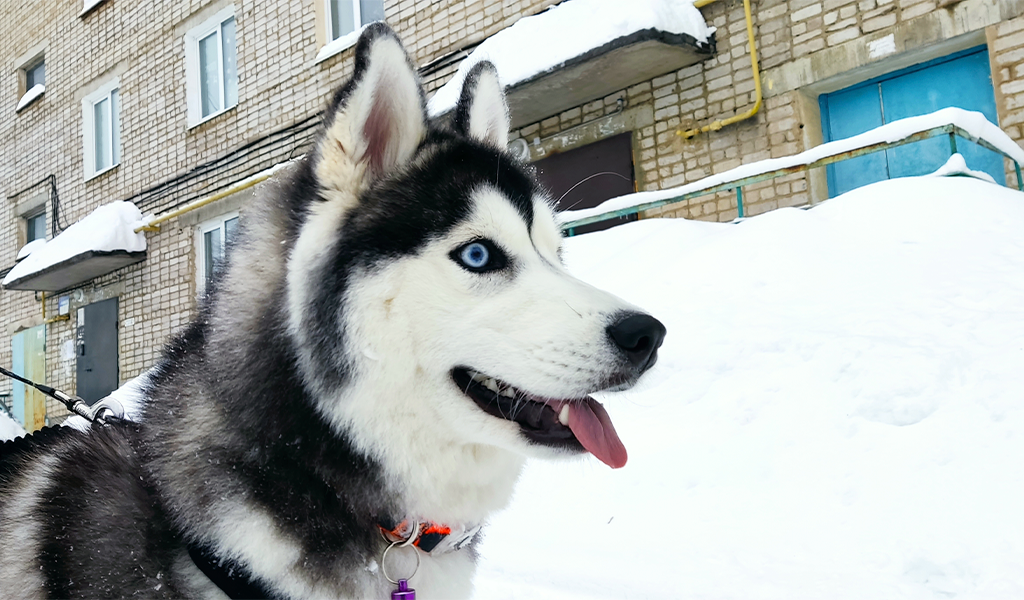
356	18
335	44
25	69
104	92
32	67
193	70
29	217
202	229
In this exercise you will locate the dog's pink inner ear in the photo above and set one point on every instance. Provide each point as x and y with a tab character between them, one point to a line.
380	132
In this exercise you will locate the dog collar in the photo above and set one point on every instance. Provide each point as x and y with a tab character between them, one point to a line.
428	536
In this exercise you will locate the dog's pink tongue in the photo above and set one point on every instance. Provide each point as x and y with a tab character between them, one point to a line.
591	425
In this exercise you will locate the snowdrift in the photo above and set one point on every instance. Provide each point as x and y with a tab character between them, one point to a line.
836	413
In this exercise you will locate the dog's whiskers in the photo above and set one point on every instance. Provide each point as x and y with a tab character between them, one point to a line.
584	180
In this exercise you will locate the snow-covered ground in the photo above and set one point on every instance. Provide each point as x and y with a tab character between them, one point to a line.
838	411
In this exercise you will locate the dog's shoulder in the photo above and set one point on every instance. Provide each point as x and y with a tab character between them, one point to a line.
84	513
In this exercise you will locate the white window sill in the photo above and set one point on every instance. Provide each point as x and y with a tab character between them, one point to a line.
211	116
92	176
338	46
30	96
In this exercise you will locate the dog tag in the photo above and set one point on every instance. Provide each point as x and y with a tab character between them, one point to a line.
403	592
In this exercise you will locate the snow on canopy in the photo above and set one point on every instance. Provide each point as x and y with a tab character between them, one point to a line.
9	428
835	414
974	123
544	41
108	228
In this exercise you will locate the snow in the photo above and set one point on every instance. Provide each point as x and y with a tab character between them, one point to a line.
957	165
9	428
29	248
109	227
835	414
974	123
33	93
338	45
128	396
543	42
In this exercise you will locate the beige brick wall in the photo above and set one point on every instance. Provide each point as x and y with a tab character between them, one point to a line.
1006	51
806	47
142	44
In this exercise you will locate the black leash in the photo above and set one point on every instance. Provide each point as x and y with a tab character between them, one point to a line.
230	576
74	404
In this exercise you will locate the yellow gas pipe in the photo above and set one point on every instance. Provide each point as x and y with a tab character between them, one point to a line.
716	125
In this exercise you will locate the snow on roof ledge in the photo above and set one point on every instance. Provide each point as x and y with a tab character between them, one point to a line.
974	123
552	39
100	243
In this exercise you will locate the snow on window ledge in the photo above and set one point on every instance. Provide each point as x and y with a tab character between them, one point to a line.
88	5
29	248
30	96
339	45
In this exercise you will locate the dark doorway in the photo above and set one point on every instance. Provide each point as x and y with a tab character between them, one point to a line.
609	165
96	347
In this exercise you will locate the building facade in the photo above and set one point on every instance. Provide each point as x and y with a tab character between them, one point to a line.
166	104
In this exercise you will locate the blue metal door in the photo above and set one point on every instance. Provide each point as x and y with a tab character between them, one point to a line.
963	80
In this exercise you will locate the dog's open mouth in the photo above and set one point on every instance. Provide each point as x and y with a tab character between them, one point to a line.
580	423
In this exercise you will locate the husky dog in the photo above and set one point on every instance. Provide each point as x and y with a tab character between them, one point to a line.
394	334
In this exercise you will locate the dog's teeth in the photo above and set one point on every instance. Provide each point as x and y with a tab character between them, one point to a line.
508	392
479	377
563	415
491	384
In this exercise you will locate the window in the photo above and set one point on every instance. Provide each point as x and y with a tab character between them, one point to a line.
35	83
347	16
35	227
211	242
211	67
101	115
35	75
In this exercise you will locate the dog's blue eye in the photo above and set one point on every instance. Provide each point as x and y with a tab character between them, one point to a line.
479	256
475	255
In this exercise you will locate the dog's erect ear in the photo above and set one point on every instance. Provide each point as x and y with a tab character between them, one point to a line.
376	121
482	113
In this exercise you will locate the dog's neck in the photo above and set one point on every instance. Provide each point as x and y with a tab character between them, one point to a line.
435	476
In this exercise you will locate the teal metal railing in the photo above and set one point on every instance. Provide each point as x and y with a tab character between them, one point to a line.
950	130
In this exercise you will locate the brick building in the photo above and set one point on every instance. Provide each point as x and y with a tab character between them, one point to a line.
166	104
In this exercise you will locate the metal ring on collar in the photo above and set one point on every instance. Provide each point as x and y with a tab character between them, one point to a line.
384	558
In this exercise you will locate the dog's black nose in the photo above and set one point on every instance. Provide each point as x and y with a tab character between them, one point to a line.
639	336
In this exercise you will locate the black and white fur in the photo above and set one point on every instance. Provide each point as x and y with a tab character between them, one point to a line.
313	394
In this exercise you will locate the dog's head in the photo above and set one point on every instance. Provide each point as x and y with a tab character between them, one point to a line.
425	286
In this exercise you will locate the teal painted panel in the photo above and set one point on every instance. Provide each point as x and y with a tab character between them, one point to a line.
962	80
29	360
965	82
18	366
856	110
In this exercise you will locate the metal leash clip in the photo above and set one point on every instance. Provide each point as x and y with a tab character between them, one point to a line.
404	592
